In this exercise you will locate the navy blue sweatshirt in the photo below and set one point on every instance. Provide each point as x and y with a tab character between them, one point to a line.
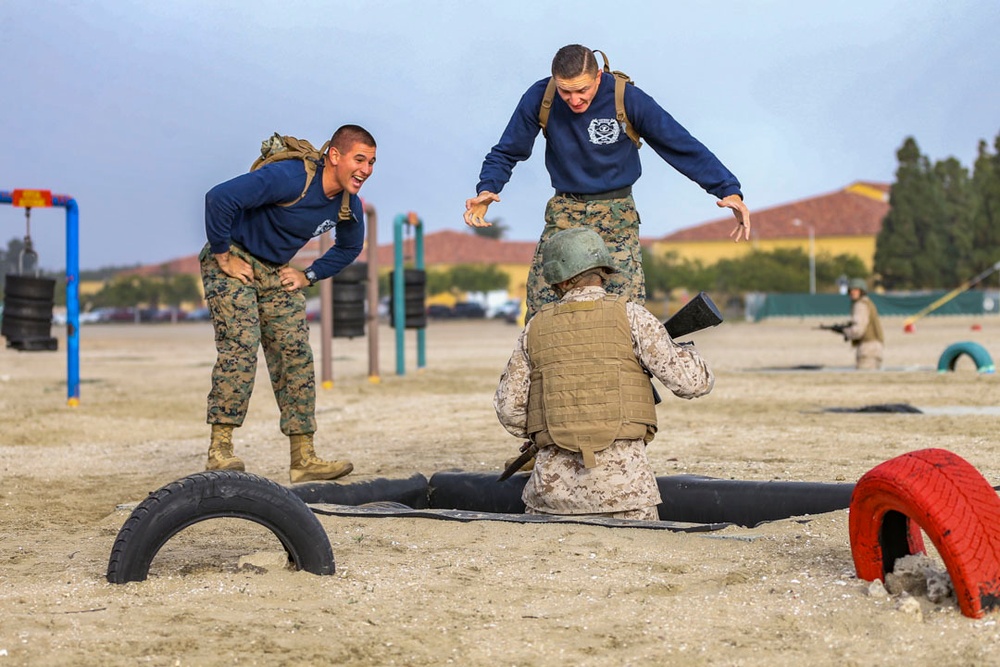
589	152
244	211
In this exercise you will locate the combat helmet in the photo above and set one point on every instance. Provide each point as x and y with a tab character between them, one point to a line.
570	252
858	283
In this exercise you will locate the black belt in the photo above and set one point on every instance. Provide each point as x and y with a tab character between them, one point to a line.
610	194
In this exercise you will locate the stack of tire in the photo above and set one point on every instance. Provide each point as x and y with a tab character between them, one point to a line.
414	294
27	313
350	288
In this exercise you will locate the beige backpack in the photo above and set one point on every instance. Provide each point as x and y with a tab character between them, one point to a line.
285	147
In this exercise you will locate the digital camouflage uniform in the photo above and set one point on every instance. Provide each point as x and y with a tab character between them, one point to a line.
261	314
622	484
617	222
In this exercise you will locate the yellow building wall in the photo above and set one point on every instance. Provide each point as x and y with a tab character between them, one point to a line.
710	252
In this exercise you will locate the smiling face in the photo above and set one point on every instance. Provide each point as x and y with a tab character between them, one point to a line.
349	169
579	91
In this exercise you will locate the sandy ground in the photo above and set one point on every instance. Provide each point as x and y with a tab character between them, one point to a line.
411	591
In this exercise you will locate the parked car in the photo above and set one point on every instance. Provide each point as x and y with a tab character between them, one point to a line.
439	311
508	310
468	309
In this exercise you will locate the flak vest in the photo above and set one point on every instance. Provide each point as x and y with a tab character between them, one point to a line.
587	387
874	330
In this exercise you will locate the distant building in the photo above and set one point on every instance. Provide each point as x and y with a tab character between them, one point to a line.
448	248
843	222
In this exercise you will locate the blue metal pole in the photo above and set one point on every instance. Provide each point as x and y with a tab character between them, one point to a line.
72	300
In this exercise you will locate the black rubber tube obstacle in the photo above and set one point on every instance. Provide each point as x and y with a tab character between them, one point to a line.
686	498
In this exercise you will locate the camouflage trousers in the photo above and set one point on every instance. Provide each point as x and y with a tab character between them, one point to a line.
247	317
868	355
617	221
621	486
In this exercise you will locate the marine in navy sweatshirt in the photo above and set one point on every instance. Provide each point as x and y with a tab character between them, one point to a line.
589	152
242	211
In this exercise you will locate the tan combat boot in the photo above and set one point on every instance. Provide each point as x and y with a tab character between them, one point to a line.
220	452
307	467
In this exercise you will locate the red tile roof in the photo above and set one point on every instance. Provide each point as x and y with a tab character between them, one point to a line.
856	210
177	266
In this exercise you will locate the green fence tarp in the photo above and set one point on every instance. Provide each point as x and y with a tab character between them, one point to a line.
970	302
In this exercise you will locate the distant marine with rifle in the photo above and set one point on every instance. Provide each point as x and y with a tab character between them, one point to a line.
864	329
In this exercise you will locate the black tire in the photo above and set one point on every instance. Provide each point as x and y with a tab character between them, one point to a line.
413	277
214	495
348	330
352	273
26	309
40	344
29	287
15	329
350	293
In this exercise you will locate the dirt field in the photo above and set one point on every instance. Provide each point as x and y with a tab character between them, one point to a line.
413	591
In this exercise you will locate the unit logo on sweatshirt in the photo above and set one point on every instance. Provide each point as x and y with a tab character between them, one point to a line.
325	226
604	131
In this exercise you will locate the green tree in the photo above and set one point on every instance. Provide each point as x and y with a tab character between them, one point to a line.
664	274
473	278
781	270
122	292
928	237
131	290
955	222
438	282
497	230
898	242
180	289
985	225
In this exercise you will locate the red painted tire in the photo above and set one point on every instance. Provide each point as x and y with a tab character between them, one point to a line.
955	506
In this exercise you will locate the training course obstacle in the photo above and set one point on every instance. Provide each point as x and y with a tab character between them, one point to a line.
45	199
399	288
326	314
968	284
932	490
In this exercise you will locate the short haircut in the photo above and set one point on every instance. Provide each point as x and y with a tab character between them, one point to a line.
347	135
572	61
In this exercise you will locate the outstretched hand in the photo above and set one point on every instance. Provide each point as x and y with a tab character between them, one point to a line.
475	209
741	213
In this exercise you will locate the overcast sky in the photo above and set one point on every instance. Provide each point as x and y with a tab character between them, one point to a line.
137	108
